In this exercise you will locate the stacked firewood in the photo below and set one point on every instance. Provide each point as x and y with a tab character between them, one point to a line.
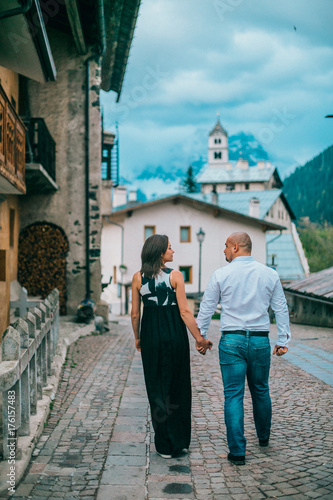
42	261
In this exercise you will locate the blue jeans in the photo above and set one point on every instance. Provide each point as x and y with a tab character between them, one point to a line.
240	356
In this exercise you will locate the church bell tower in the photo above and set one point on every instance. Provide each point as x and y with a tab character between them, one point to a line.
218	149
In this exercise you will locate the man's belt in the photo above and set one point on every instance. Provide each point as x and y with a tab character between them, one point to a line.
259	333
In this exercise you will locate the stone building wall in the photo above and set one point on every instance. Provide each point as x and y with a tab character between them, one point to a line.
62	105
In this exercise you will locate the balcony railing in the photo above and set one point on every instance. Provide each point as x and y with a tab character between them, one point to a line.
12	148
110	158
41	147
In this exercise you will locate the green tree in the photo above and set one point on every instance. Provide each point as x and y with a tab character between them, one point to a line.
309	189
189	182
317	242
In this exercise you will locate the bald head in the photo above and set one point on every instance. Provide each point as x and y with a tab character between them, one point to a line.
237	245
243	240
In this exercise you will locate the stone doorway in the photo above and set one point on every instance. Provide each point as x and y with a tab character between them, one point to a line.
43	248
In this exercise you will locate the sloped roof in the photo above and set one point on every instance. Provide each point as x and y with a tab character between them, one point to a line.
196	202
211	175
317	285
286	261
218	129
239	201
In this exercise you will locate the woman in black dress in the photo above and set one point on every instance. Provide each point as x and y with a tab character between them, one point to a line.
163	342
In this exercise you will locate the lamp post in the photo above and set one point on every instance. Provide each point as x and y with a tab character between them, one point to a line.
200	237
122	270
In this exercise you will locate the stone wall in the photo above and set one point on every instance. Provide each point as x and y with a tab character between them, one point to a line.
62	105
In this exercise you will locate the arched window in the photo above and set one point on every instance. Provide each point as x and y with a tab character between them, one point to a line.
218	155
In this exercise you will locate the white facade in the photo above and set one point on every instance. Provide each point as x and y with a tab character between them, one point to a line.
278	214
220	175
167	218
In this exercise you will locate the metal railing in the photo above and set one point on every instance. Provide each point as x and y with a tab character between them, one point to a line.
27	349
41	147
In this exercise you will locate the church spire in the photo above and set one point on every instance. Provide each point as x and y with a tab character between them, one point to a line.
218	127
218	149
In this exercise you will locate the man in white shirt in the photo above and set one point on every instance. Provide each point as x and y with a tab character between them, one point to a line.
245	288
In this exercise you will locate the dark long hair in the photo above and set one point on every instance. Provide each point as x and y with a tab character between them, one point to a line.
151	254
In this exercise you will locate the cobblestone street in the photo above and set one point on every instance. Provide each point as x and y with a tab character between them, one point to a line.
98	440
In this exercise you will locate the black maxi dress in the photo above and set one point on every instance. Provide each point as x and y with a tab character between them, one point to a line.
166	364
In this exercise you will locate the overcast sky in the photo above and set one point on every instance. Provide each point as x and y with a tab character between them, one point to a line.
266	66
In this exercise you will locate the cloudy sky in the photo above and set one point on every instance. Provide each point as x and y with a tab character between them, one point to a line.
266	66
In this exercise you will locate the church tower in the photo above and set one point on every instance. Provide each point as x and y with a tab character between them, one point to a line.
218	149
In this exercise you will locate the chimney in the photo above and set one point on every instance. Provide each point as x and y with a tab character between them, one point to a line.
261	164
132	196
254	208
244	164
119	196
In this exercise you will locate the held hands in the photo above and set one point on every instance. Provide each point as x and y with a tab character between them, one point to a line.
280	351
203	345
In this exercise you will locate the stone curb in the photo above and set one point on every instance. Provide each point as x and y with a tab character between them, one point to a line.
27	443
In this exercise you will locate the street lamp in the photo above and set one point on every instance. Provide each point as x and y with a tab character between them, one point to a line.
122	269
200	237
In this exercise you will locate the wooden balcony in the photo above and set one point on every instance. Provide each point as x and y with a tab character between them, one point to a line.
12	148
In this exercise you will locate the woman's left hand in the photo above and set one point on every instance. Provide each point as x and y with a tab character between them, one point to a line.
138	345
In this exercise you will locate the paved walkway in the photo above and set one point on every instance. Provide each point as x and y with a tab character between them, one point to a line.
98	441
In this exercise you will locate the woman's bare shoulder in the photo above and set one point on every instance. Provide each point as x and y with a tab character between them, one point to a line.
176	276
136	278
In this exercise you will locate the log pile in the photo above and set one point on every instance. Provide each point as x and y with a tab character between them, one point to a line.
42	261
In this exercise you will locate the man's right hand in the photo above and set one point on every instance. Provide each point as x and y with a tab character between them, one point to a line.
280	351
203	345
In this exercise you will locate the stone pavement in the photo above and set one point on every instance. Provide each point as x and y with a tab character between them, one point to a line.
98	441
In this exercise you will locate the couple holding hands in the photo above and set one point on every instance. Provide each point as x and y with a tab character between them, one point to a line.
245	289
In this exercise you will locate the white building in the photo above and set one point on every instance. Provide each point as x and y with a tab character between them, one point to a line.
180	217
220	175
254	191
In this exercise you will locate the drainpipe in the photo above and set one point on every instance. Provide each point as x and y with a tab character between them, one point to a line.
15	12
96	56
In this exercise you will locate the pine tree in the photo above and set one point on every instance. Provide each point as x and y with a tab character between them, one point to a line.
189	182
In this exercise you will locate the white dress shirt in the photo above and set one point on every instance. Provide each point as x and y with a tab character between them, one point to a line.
245	288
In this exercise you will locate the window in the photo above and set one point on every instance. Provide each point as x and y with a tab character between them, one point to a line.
185	234
2	265
2	128
187	273
247	185
230	187
11	228
149	231
218	155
